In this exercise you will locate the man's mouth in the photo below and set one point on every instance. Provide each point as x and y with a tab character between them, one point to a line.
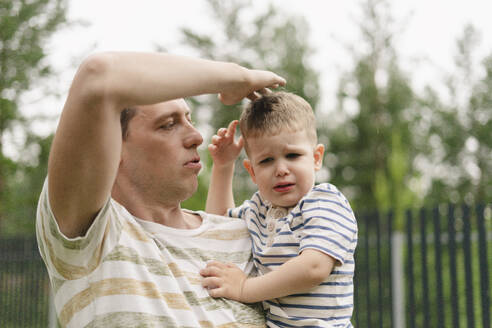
194	163
283	187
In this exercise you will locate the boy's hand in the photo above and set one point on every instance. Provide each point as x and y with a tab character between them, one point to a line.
223	280
224	149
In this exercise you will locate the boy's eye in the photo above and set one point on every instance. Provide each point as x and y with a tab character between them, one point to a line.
293	155
266	160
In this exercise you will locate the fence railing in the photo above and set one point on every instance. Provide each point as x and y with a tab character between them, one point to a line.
24	285
435	272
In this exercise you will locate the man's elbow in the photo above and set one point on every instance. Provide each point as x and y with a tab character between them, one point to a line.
92	76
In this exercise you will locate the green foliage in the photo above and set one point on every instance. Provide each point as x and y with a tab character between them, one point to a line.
25	26
374	145
460	129
271	40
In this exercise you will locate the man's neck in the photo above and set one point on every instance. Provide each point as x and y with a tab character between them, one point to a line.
169	214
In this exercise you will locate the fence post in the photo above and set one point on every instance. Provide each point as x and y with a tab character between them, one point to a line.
52	320
397	278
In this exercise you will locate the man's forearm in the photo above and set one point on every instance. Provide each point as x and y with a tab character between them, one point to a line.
89	130
133	78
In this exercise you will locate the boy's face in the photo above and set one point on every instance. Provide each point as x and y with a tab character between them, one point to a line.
283	166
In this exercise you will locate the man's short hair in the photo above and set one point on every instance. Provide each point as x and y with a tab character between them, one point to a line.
126	115
276	112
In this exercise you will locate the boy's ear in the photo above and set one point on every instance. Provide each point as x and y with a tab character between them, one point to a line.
247	165
319	151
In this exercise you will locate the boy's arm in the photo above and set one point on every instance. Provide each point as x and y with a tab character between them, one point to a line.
224	151
297	275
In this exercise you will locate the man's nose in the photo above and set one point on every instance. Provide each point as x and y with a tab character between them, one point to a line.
193	138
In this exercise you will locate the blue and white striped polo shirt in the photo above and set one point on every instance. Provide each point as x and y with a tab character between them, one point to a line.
322	220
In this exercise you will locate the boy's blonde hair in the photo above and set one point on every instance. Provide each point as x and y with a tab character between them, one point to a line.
276	112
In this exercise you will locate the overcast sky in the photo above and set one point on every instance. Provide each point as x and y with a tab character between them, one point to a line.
431	28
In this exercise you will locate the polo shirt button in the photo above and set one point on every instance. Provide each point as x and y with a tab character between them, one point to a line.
280	212
271	226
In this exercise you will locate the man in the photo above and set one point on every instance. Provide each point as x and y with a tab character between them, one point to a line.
119	249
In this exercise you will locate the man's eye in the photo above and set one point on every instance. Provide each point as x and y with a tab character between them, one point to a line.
293	155
167	125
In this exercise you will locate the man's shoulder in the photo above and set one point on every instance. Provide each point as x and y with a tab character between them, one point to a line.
215	220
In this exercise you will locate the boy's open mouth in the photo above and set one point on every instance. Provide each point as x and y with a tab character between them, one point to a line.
283	187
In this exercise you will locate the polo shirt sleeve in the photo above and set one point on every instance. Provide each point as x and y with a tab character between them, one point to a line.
72	258
328	223
253	204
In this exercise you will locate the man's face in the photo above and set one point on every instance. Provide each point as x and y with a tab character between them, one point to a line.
159	155
283	166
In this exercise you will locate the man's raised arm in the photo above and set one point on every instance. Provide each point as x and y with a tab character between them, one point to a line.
86	149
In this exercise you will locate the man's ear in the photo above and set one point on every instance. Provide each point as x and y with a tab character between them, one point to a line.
319	151
247	165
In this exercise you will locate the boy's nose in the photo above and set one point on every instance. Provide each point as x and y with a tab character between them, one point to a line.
281	170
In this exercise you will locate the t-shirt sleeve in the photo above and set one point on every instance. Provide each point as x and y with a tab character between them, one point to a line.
328	223
72	258
253	204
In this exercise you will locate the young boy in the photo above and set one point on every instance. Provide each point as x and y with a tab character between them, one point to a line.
303	236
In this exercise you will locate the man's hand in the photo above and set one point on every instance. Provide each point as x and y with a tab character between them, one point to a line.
224	149
252	86
224	280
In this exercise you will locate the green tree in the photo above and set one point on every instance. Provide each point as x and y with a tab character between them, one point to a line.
461	141
25	26
374	145
271	40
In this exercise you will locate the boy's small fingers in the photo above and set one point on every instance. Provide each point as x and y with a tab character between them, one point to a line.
210	282
215	292
240	141
216	139
212	149
232	126
221	132
214	263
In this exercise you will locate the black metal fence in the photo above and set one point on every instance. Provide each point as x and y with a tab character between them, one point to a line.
24	285
434	271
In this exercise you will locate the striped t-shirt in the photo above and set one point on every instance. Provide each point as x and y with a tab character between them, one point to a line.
127	272
323	221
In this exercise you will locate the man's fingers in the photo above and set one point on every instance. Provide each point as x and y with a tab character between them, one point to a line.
253	96
280	81
264	91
